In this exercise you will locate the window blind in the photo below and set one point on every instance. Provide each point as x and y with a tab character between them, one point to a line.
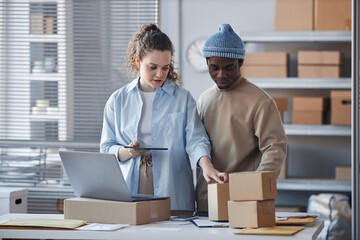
59	62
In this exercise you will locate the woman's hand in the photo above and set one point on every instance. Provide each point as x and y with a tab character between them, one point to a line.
209	172
136	152
126	153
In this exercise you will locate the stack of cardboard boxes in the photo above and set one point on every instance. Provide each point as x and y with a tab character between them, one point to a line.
308	110
247	201
319	64
308	15
265	64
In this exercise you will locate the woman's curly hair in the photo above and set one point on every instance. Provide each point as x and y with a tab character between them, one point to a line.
147	39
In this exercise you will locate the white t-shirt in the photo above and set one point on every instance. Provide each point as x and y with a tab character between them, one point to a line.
145	121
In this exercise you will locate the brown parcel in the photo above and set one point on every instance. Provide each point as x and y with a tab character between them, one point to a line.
319	71
105	211
218	196
319	57
251	213
308	117
308	104
253	185
265	64
276	230
332	15
343	173
340	107
294	15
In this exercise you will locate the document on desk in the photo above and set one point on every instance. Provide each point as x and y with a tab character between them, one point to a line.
204	223
42	223
101	227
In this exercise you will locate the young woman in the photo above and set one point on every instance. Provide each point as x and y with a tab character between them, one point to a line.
154	111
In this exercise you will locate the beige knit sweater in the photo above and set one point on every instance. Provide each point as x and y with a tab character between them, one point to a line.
245	131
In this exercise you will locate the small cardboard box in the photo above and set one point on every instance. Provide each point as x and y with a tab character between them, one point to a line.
307	117
295	15
218	196
265	64
320	57
325	12
308	103
253	214
105	211
340	107
343	173
319	64
252	185
318	71
13	200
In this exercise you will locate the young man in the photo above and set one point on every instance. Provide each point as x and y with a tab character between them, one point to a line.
241	120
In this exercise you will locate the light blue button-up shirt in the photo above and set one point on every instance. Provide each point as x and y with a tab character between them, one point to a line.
175	124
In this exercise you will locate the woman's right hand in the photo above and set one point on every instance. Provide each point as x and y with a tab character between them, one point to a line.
136	152
126	153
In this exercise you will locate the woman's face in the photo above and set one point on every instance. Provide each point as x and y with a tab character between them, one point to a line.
154	68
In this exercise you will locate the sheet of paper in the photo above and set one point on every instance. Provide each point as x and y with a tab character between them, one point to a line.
102	227
286	215
208	223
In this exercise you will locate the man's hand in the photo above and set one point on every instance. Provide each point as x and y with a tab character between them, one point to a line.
209	172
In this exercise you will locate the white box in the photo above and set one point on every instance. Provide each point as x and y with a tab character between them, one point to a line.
13	200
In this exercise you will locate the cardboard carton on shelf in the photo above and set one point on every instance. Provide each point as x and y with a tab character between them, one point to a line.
265	64
254	214
294	15
319	64
340	107
309	104
343	173
246	186
105	211
218	196
308	117
332	15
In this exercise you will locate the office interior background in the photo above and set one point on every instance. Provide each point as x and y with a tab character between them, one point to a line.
60	60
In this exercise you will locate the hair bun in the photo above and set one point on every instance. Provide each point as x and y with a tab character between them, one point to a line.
150	27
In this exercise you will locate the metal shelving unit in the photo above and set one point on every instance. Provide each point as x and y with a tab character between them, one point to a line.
294	191
302	83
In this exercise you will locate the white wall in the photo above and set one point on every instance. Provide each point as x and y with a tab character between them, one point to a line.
187	20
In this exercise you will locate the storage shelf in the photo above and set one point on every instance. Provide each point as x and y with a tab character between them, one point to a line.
297	36
302	83
317	130
322	185
46	77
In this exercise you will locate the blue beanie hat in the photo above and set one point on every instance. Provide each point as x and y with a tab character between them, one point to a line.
225	43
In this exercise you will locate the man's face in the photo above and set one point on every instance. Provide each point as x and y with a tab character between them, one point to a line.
224	71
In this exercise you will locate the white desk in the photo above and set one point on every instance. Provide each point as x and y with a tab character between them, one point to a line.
148	231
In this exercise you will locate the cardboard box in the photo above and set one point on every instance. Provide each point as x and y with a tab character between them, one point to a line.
281	103
105	211
332	15
340	107
218	196
320	57
295	15
252	185
343	173
308	104
253	214
308	117
265	64
36	23
13	200
318	71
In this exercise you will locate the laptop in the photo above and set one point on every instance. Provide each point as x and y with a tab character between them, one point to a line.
98	175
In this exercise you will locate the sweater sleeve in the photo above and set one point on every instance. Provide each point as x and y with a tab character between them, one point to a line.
271	136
